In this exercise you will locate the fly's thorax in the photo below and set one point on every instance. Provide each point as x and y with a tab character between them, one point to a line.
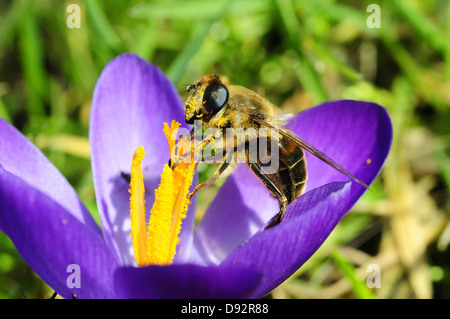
243	105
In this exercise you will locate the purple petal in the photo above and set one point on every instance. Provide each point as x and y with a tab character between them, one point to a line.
185	281
279	251
132	100
242	206
357	135
20	157
49	239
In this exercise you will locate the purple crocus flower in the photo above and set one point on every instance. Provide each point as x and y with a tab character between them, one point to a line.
228	255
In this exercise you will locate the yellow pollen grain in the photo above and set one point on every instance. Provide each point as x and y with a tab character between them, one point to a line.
189	106
196	99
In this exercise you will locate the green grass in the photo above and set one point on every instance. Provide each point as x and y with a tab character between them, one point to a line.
299	53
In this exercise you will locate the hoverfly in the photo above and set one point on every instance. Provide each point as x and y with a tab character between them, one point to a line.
222	106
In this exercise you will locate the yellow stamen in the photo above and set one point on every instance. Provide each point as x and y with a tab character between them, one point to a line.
168	211
137	208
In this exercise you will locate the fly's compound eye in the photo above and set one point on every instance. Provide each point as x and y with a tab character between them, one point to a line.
215	97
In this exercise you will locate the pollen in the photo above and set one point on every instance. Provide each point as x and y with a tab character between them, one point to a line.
137	208
197	99
156	243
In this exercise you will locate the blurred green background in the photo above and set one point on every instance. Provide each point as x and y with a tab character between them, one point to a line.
298	53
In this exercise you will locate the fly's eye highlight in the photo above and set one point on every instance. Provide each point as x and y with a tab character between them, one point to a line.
215	97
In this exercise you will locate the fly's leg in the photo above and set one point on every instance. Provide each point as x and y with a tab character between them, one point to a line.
197	147
276	192
278	218
222	167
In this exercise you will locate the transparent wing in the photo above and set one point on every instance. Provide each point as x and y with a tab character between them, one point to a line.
310	148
